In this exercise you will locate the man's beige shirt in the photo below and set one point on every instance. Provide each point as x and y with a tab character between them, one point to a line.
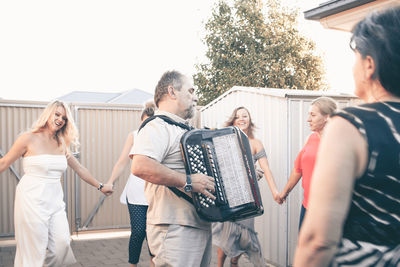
159	140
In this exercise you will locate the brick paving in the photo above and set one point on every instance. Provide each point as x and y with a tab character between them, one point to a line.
103	252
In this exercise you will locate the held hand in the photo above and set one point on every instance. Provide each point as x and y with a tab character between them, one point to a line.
203	184
109	182
277	198
107	189
283	196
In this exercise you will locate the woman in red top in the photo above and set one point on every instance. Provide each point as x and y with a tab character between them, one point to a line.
318	114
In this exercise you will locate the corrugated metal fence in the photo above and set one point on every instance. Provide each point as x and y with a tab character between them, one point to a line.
103	130
280	117
14	118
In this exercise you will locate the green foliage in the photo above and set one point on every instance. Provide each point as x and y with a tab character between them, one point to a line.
249	48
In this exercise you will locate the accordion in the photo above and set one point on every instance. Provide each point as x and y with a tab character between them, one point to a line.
225	155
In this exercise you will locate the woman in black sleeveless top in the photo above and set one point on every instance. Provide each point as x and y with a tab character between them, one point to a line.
354	212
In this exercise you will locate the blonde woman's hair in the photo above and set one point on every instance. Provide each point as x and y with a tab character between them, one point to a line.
68	134
233	117
326	105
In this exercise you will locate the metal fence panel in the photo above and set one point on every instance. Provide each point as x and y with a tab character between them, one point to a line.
15	118
103	130
280	116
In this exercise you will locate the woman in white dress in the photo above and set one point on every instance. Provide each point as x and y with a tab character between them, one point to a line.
40	219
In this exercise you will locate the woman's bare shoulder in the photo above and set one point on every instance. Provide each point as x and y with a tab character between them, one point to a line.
27	136
257	144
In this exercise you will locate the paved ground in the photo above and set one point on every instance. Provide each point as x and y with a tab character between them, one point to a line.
101	250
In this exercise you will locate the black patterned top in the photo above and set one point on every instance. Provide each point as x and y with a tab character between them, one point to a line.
372	226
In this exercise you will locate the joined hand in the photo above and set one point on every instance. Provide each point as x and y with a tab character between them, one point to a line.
107	189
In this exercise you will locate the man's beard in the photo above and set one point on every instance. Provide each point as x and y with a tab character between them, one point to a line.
189	113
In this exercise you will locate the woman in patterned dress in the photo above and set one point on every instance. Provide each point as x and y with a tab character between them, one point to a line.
235	238
354	211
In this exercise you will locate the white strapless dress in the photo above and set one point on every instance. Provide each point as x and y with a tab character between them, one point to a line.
39	214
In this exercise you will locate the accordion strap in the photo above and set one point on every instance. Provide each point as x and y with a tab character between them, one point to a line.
181	194
179	124
167	120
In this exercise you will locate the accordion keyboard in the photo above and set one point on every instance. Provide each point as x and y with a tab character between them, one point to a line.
198	165
225	155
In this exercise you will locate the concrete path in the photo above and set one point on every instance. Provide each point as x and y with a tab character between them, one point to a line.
102	250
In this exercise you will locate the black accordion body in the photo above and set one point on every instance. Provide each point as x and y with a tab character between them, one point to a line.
224	154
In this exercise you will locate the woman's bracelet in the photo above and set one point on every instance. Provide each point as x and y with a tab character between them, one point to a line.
100	187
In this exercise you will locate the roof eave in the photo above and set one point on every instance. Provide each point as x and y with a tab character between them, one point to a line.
333	7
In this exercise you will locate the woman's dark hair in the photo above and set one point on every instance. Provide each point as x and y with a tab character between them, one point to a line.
378	36
233	117
149	109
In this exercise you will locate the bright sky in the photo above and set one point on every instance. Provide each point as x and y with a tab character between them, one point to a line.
49	48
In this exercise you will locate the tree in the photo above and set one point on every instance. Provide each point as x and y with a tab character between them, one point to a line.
248	48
